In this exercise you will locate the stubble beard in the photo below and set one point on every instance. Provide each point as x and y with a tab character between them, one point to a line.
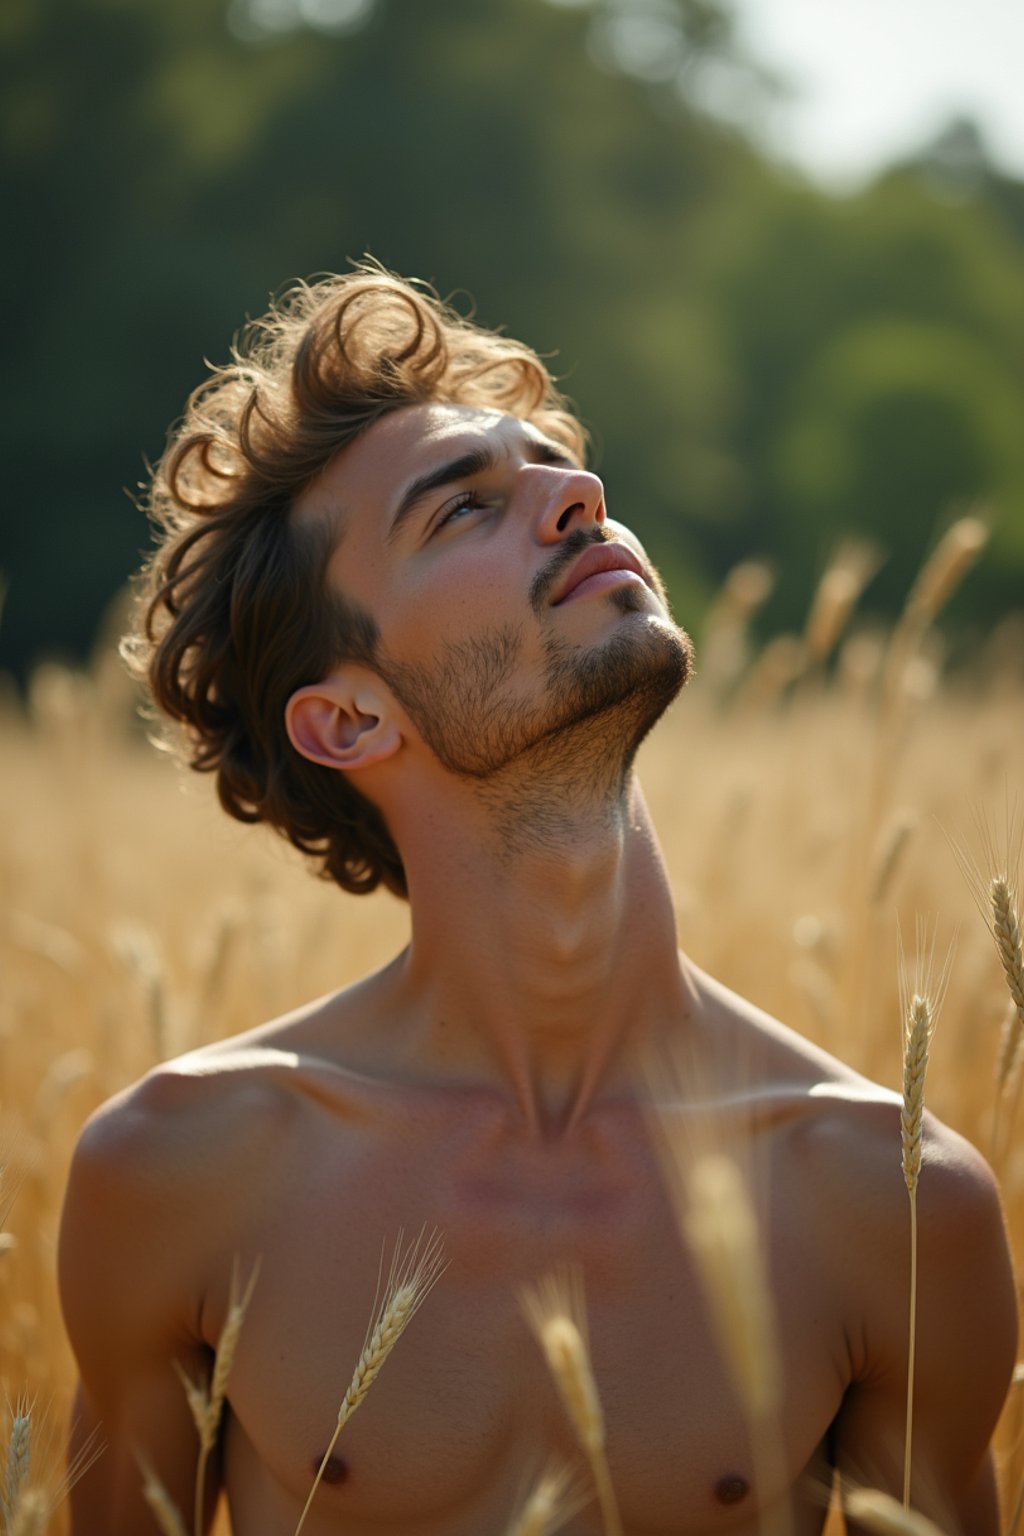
598	703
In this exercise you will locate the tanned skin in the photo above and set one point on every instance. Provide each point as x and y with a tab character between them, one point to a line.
490	1082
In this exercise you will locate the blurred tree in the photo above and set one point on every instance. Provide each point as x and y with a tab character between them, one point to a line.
878	342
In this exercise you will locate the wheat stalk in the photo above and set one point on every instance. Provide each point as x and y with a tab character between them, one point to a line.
885	1516
836	596
916	1041
1008	1060
207	1403
1005	925
556	1312
70	1069
721	1230
554	1500
920	1005
31	1514
411	1277
995	895
936	582
891	850
946	567
163	1508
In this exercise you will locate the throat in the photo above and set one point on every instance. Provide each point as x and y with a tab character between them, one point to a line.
570	792
539	976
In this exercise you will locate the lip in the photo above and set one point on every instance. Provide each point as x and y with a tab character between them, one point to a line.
595	560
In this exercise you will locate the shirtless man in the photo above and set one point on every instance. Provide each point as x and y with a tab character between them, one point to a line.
395	619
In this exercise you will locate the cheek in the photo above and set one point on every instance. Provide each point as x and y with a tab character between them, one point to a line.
457	598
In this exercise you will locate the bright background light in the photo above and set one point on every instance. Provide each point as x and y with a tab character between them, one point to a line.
875	79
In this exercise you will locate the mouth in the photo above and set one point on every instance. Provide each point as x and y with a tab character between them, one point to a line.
599	568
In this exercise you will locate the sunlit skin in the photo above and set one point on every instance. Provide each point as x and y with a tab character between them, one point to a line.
491	1082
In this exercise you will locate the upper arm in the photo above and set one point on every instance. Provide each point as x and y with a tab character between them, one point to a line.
965	1345
131	1299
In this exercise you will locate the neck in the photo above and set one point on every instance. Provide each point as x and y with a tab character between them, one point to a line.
543	949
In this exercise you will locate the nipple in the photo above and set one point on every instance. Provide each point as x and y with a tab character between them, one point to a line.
336	1470
731	1488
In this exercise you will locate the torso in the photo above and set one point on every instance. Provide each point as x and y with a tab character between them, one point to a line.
327	1165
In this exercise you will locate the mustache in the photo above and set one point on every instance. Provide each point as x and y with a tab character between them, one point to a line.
545	580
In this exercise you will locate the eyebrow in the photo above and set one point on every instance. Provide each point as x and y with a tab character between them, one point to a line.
475	461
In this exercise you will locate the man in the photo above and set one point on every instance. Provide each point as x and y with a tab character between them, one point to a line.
396	621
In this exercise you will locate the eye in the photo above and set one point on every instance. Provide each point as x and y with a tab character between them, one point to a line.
454	510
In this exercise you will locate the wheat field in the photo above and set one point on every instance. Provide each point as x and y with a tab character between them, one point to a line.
809	797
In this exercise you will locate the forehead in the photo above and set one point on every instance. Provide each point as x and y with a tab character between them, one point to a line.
373	471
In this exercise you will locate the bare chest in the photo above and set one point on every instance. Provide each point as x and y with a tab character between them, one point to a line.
463	1413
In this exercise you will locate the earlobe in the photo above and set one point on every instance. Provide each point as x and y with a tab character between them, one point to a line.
339	727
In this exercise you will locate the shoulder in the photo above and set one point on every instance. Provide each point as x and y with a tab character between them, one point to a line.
197	1137
160	1185
851	1143
170	1124
844	1149
966	1308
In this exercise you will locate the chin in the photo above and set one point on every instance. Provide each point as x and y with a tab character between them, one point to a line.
639	669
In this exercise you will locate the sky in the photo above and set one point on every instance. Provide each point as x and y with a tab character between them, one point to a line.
874	79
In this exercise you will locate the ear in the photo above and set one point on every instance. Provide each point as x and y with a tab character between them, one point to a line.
343	722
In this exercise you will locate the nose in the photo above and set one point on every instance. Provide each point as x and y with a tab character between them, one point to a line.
569	499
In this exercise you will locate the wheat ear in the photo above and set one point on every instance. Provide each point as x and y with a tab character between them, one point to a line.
890	853
917	1037
19	1459
410	1279
995	894
1006	929
1005	924
556	1311
935	583
920	1002
164	1510
554	1500
207	1403
885	1516
836	596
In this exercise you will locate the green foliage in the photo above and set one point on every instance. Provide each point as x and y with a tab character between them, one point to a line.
764	368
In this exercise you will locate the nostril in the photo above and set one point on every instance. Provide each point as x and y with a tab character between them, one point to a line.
563	521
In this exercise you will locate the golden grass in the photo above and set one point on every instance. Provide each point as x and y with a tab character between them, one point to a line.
32	1514
19	1460
553	1501
412	1276
884	1516
166	1514
139	921
921	997
206	1402
556	1311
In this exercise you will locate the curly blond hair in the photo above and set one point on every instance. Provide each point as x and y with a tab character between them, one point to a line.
225	629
